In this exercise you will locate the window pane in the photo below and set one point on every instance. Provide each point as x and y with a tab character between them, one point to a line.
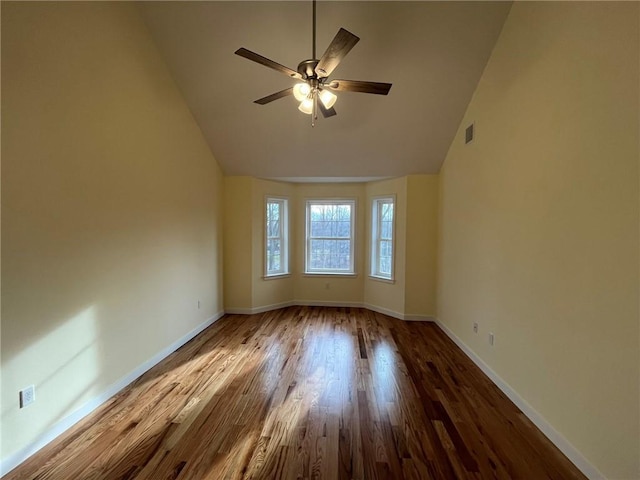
329	242
386	220
344	229
317	212
385	257
382	238
330	254
317	254
386	230
330	221
387	212
274	255
276	244
273	228
274	211
318	229
273	219
344	213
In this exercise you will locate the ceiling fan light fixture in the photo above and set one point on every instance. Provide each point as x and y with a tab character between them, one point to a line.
306	106
301	91
328	99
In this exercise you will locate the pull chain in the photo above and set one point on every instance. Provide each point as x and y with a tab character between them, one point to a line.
314	112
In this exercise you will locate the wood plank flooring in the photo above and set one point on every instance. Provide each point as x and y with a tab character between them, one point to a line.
306	392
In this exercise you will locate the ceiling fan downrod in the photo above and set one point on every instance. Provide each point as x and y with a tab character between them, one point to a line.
307	69
313	40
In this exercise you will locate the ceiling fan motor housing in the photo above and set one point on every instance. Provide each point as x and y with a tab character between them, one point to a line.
307	68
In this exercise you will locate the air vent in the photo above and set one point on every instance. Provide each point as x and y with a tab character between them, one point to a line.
468	134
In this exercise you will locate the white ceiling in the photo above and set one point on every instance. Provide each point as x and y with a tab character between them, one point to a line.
432	52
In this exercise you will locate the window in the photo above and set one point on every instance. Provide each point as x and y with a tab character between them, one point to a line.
330	232
276	237
382	223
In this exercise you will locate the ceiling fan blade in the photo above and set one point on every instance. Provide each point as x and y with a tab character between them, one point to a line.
341	44
376	88
274	96
248	54
326	112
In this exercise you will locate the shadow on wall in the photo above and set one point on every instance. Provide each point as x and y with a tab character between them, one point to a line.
80	313
57	336
70	352
110	225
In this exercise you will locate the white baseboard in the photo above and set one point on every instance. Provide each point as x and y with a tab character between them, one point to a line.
419	318
254	310
12	461
398	315
276	306
321	303
384	311
551	433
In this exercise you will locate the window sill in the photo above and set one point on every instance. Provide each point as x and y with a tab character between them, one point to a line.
382	279
329	274
275	276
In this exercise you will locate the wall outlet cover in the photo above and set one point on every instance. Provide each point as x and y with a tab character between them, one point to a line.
27	396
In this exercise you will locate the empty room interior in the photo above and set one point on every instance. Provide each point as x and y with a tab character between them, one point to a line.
322	239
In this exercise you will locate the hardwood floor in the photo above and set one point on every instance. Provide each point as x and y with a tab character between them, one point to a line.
306	392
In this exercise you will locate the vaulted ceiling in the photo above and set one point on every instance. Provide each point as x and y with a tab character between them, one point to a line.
432	52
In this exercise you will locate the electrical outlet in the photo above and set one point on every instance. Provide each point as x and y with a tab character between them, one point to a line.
198	304
491	338
27	396
475	327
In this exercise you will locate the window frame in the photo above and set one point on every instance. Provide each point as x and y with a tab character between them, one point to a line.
284	237
376	240
352	236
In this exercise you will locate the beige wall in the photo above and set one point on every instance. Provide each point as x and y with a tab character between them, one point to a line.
380	293
238	202
539	223
110	209
273	291
412	295
246	289
321	288
421	246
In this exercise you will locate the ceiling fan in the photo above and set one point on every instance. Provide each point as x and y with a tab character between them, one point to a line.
314	92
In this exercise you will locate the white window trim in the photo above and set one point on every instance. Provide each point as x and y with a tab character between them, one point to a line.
374	239
284	232
328	201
